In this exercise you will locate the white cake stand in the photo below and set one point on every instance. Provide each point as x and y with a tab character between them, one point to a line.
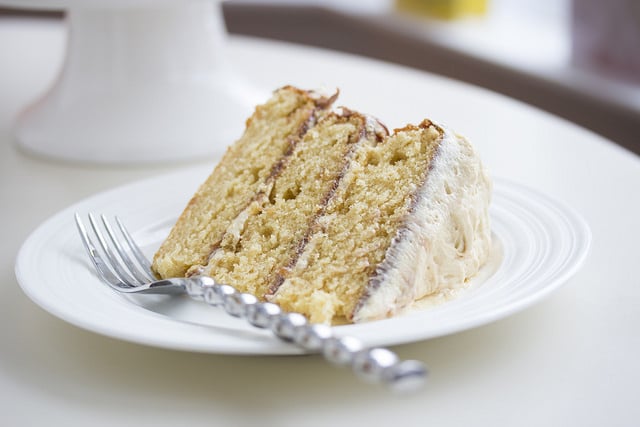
143	81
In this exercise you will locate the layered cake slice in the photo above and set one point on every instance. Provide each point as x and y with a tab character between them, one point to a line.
346	222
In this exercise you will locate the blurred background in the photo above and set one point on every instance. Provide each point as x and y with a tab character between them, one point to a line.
578	59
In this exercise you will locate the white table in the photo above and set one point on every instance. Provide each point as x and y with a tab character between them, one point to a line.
571	359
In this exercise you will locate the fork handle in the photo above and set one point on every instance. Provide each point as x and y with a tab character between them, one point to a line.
375	365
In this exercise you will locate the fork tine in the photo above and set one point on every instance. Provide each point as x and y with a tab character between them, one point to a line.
137	253
135	271
114	263
102	268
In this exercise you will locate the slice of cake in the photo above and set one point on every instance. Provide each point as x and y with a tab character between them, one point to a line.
327	214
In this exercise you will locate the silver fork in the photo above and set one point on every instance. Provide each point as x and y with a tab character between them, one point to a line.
121	264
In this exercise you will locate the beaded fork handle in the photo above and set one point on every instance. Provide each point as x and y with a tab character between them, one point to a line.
375	365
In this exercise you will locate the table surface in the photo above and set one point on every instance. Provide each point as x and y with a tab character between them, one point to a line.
571	359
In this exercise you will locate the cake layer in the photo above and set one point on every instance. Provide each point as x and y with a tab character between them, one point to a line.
247	168
275	226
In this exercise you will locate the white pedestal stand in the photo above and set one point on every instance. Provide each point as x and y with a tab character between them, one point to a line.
142	82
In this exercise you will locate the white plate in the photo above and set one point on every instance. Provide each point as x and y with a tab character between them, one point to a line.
540	243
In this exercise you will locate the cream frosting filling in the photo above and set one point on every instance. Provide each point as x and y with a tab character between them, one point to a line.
445	237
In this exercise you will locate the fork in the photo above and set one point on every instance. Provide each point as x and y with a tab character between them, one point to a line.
120	263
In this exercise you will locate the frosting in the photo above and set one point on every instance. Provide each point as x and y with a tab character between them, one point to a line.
445	237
